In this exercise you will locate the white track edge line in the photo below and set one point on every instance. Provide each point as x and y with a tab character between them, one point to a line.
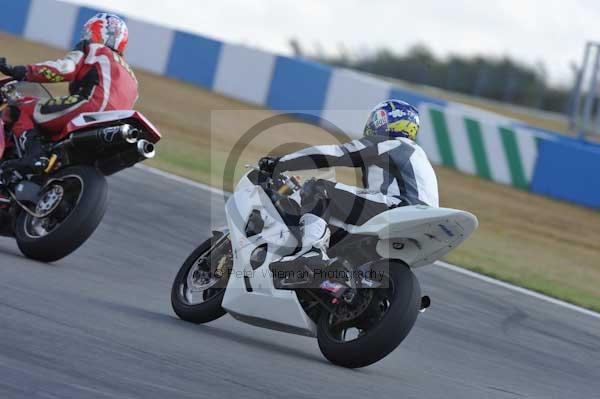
180	179
442	264
518	289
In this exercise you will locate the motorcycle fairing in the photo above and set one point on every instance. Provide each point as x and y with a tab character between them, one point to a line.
418	234
250	295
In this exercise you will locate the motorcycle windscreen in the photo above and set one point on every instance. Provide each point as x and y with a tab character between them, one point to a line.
33	90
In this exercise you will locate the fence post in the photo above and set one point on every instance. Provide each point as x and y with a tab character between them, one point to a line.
576	94
590	97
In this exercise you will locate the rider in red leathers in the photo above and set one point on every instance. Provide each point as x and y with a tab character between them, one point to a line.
100	80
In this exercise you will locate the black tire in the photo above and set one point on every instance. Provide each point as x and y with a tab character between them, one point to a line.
386	335
76	228
206	311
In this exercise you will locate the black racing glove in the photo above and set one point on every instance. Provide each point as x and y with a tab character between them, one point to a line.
18	72
4	67
268	165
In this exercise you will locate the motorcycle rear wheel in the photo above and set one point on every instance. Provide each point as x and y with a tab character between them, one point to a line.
75	200
375	339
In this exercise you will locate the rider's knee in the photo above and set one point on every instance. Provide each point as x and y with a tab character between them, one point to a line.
315	196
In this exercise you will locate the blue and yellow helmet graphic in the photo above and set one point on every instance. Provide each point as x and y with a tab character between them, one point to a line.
393	118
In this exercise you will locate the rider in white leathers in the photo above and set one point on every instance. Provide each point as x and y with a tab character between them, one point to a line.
396	172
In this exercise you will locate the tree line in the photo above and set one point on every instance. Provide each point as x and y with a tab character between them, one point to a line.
502	79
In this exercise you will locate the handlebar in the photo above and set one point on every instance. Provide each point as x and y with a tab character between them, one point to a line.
279	183
8	91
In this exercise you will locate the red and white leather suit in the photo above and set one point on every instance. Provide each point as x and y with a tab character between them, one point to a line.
100	80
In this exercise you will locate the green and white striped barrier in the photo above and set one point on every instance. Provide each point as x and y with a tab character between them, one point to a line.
479	143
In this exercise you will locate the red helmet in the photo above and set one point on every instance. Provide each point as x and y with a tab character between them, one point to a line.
107	29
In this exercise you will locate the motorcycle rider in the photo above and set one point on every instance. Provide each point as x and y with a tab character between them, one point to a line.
100	80
396	172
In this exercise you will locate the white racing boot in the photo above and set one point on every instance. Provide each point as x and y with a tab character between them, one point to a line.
315	235
298	270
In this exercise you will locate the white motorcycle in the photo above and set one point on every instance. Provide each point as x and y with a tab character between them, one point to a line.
360	306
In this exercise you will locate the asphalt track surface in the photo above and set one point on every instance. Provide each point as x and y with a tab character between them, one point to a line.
99	325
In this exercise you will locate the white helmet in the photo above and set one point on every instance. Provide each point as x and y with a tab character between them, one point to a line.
107	29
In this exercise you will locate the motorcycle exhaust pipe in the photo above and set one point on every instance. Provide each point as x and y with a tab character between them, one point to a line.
126	159
105	136
425	303
130	134
146	149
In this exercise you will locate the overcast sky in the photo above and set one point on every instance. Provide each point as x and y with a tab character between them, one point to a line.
553	31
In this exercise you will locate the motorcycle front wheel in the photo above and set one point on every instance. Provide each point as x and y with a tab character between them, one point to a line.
199	287
385	317
71	206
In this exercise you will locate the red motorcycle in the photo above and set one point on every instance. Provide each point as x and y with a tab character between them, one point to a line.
52	213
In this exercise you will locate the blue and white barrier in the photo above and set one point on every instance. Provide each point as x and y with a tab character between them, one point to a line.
468	139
